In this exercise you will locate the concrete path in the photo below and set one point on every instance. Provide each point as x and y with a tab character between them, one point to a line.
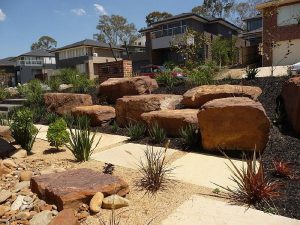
204	211
106	141
126	155
202	170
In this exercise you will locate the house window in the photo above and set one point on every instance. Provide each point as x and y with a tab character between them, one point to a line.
288	15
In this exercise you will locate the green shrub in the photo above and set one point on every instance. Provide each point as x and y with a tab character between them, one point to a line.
22	89
51	117
83	84
67	75
38	112
251	73
200	76
136	131
189	135
166	79
54	83
4	120
114	127
4	94
34	93
82	139
57	133
22	128
157	134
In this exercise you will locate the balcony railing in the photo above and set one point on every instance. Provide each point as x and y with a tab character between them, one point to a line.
169	32
30	63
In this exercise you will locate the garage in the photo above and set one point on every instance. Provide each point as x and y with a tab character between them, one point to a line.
281	51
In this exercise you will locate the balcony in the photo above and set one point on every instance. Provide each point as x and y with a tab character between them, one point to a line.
30	63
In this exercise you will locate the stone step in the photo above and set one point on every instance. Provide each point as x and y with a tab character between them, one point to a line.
14	101
8	107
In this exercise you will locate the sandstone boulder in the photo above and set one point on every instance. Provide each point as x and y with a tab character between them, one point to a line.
172	120
233	124
71	188
198	96
5	133
63	103
65	217
98	114
114	202
130	108
291	97
96	202
115	88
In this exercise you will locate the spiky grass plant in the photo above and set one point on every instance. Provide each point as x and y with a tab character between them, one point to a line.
189	135
155	171
283	169
114	127
157	134
252	186
82	139
136	130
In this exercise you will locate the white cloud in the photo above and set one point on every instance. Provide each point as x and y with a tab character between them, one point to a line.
79	12
100	9
2	15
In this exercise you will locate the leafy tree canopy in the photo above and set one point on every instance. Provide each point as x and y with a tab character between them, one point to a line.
156	16
44	42
115	30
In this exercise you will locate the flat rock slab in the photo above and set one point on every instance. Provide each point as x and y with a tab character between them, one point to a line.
71	188
204	170
204	211
127	155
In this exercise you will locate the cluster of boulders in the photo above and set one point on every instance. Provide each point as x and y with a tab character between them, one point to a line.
229	117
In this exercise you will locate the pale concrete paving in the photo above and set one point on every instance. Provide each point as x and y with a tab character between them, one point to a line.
202	170
106	141
204	211
127	155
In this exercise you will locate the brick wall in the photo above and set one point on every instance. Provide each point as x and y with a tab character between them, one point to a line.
272	32
122	68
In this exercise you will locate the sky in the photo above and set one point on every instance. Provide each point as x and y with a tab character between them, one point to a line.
22	22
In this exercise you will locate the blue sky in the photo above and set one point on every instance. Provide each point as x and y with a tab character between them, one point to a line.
22	22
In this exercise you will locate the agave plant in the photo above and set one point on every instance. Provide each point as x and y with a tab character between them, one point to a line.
253	186
82	139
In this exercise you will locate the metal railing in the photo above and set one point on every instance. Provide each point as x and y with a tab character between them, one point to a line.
30	62
169	32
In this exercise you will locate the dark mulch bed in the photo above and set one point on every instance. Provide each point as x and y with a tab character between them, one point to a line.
283	145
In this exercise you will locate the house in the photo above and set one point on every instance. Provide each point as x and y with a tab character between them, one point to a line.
281	32
7	71
160	34
34	64
253	39
136	52
85	56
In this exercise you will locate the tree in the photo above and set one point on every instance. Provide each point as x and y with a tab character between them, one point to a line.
44	42
156	16
115	30
190	45
221	49
214	8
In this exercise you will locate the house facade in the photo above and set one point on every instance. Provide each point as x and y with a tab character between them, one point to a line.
7	72
35	64
253	39
160	35
281	32
86	55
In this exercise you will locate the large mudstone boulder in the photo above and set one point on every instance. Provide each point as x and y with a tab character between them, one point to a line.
115	88
233	124
172	121
98	114
63	103
198	96
71	188
130	108
291	97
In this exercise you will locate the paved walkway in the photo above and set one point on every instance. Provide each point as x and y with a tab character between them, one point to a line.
199	210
